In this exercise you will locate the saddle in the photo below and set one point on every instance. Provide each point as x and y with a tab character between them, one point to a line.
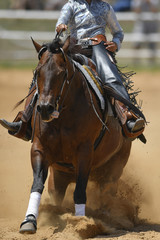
116	103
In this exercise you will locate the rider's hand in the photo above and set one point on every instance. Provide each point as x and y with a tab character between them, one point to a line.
111	46
60	27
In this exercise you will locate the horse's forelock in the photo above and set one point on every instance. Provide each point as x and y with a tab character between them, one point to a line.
54	46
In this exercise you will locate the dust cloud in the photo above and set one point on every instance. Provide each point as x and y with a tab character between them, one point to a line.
137	200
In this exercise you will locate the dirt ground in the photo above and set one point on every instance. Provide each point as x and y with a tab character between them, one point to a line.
142	174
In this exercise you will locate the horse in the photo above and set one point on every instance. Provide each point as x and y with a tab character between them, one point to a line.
66	123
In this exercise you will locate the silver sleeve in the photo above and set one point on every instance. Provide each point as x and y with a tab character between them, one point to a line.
65	14
115	28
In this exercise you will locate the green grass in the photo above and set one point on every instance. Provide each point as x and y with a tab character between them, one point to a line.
27	25
4	4
30	65
124	64
146	68
142	65
43	25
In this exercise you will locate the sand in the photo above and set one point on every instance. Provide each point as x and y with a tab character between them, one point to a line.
139	183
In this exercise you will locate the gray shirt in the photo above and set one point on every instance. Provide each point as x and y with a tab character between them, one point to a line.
88	20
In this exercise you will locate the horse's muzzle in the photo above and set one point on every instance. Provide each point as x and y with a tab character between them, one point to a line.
47	112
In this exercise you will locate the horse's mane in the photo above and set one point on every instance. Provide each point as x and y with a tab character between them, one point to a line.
54	46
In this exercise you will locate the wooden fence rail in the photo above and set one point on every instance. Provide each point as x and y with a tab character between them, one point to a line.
48	36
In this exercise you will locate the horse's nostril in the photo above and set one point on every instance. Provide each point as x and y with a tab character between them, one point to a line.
45	108
38	108
50	109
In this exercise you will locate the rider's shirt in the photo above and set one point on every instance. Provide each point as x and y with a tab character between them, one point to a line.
88	20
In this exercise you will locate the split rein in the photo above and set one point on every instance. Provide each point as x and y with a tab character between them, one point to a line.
66	82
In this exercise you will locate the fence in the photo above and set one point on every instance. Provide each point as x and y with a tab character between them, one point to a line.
14	35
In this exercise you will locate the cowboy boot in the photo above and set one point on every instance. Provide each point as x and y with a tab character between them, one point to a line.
21	126
135	125
132	125
18	129
11	126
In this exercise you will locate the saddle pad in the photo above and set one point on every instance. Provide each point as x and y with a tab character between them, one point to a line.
92	82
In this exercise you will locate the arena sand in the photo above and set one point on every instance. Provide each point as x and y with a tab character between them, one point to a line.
139	185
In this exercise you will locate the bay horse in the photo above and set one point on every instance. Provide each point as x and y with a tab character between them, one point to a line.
65	130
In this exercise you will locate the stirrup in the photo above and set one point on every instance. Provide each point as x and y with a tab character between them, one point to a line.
132	135
11	126
135	126
132	125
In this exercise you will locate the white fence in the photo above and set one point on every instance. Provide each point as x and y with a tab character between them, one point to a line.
48	36
53	15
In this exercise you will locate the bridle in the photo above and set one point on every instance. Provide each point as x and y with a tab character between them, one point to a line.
66	82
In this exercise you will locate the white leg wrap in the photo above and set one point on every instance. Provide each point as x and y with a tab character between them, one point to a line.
80	209
33	205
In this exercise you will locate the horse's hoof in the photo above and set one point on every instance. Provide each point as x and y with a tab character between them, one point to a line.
27	228
29	225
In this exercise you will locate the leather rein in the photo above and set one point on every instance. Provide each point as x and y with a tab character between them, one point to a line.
66	82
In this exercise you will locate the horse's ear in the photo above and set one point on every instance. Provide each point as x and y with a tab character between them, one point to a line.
66	45
36	45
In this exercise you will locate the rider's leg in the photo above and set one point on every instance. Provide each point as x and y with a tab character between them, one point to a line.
21	126
110	76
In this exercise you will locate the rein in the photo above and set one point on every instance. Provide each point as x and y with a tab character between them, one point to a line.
94	108
67	82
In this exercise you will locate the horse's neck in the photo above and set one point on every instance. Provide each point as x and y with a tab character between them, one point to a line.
76	92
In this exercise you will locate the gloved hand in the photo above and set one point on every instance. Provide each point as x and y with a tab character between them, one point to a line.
62	27
111	46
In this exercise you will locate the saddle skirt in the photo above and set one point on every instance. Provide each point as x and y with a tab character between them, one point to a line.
95	83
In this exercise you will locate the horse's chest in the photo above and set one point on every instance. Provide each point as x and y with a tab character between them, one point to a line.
67	140
60	143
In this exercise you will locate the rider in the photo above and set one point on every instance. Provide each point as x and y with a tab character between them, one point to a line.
88	19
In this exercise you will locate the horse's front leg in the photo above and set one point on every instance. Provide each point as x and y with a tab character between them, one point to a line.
40	171
83	167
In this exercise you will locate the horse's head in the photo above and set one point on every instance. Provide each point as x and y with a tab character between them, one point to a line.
53	72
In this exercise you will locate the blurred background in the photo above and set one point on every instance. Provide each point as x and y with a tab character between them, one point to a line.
22	19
